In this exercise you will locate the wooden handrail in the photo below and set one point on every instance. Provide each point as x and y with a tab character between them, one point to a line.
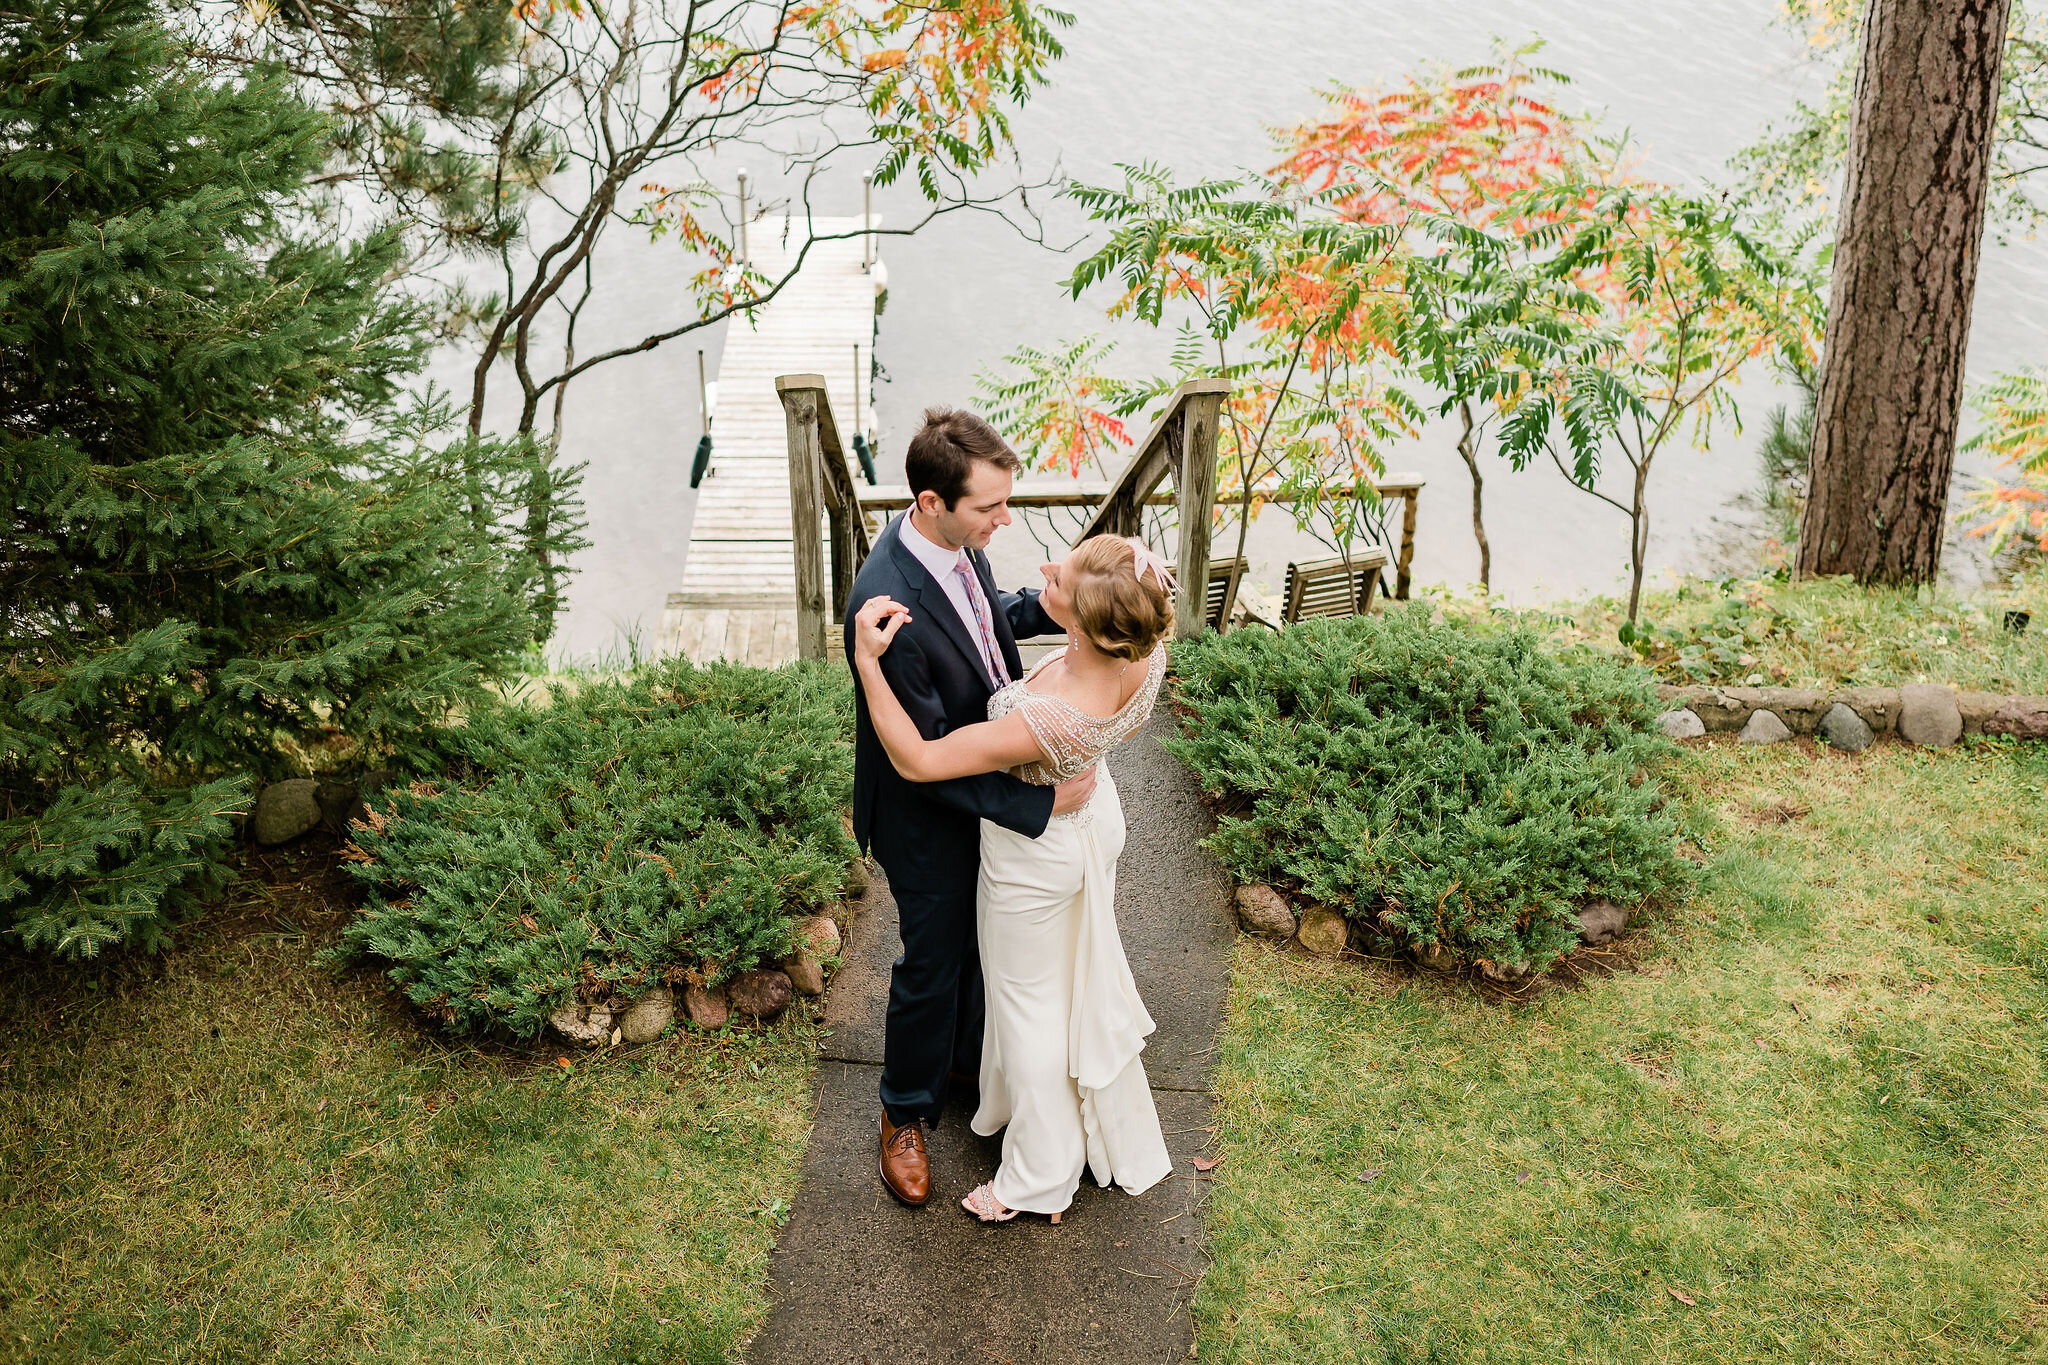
820	484
1181	444
1088	492
1091	493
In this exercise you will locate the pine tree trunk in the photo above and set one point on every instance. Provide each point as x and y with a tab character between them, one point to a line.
1907	246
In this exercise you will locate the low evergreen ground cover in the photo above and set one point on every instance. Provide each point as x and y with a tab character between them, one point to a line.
1445	783
1825	633
231	1153
628	832
1809	1127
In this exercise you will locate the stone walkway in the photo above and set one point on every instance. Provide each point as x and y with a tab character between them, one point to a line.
858	1278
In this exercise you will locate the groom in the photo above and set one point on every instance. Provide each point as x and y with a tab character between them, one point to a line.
959	647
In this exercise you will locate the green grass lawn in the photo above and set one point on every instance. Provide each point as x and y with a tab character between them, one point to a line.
1808	1127
234	1154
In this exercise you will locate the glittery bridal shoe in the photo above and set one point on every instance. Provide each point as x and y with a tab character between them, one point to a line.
981	1201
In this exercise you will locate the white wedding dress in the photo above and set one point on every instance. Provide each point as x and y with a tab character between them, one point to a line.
1059	1056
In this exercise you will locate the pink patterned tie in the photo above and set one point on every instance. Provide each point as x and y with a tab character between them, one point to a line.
998	674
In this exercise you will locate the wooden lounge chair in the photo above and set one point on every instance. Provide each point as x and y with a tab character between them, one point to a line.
1224	577
1333	587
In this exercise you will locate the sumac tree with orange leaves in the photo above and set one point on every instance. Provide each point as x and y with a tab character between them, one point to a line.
1448	150
1274	290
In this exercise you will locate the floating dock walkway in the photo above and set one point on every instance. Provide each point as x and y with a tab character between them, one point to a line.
738	599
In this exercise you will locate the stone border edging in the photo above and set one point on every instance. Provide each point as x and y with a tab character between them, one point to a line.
1929	714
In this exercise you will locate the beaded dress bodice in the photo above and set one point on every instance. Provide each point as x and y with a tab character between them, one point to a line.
1071	738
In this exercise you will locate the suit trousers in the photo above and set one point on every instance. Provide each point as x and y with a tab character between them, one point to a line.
936	1009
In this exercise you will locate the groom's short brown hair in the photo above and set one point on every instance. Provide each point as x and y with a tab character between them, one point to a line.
946	447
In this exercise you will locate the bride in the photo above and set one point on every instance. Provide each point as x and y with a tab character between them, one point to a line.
1059	1060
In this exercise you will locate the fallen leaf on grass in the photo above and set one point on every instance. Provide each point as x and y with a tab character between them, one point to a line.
563	1062
1369	1175
1204	1163
1522	1179
1688	1300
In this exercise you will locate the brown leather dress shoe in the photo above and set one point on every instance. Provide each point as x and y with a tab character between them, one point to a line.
906	1169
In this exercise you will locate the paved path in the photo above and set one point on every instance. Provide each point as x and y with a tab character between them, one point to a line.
858	1278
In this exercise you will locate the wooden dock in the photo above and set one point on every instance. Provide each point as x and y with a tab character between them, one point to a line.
738	599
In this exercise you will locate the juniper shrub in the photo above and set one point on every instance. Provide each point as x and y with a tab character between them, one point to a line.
633	833
1441	782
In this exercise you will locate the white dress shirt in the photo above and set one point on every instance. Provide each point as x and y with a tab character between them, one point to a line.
938	561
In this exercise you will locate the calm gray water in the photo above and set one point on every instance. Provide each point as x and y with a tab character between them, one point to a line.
1194	84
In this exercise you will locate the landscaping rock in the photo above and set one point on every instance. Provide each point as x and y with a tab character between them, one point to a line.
1929	715
338	799
1843	729
1262	910
1799	707
1764	727
649	1015
1681	724
761	994
819	934
1323	931
2021	717
818	938
1434	957
590	1025
285	810
1978	708
806	974
1504	971
1600	921
707	1009
1725	712
1878	706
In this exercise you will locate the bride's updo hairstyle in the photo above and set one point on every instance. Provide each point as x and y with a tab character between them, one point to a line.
1122	614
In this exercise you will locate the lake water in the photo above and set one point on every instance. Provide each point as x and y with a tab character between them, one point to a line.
1194	84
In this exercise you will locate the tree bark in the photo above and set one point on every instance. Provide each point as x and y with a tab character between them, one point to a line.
1907	244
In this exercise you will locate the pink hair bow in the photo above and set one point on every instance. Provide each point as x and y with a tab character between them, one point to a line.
1143	558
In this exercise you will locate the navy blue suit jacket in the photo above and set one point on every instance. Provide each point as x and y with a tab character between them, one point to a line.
927	835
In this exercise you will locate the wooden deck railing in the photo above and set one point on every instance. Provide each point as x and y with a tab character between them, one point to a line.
1180	446
820	484
1089	493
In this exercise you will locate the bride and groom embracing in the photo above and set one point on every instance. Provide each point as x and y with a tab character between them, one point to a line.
978	787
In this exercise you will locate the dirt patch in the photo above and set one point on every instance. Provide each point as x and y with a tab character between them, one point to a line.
1779	812
1653	1066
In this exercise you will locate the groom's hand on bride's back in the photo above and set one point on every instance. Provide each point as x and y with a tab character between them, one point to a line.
1072	794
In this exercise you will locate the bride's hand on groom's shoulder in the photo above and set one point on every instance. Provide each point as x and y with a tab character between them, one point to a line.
876	624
